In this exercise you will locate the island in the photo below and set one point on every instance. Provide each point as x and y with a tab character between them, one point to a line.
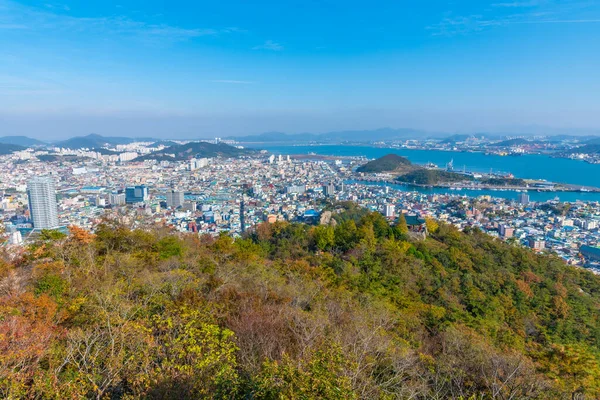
393	168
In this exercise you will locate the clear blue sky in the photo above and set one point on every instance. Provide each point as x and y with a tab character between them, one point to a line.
214	68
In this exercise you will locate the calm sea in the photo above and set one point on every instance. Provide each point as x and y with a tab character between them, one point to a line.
527	166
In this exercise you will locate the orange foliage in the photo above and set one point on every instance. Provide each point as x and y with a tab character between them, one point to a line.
524	287
80	235
26	332
530	277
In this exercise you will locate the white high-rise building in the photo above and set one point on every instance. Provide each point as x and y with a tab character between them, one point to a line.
390	210
42	203
116	199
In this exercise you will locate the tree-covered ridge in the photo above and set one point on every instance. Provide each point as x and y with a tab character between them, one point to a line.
411	173
355	310
424	176
387	163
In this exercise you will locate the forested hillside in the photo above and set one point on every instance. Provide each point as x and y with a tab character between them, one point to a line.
360	310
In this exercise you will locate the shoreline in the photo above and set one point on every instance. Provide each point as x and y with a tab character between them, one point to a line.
459	186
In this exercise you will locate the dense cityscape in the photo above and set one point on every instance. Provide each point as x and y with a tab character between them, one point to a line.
282	200
214	195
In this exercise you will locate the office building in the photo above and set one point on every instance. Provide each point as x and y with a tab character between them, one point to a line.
42	203
174	199
136	194
523	198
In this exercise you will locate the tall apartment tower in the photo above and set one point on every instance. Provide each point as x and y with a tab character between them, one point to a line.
175	199
242	216
523	198
42	203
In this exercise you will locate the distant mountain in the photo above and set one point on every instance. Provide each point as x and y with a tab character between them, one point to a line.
6	148
21	141
339	136
195	149
388	163
96	141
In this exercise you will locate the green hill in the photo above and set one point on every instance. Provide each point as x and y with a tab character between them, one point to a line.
189	150
388	163
22	141
424	176
292	311
6	148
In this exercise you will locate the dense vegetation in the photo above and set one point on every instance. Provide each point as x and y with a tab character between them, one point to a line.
504	182
359	310
388	163
7	148
433	177
195	149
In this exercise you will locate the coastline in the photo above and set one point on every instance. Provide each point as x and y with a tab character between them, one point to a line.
563	188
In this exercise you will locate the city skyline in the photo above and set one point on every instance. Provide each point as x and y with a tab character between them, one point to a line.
204	70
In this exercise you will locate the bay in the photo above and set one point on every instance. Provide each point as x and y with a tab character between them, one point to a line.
532	166
502	194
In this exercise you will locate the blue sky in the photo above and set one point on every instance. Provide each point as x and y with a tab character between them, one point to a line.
202	69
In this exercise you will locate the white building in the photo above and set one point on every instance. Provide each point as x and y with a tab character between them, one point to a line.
42	203
390	210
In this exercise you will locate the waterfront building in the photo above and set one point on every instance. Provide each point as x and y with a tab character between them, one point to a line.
523	198
42	203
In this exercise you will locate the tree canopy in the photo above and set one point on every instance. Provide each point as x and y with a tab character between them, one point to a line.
291	311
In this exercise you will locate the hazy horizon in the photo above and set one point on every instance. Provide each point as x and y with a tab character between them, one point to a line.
189	127
206	69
